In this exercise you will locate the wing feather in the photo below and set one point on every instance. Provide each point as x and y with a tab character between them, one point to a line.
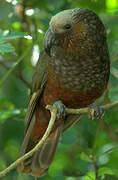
38	82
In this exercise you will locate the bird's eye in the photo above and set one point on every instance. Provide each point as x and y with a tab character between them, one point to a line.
67	26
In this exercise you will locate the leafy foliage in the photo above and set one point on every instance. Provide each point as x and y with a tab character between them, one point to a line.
89	148
6	47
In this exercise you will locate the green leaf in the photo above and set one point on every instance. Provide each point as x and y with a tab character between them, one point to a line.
5	47
105	170
71	178
16	25
12	35
104	159
4	115
89	176
83	165
107	149
85	157
112	5
5	105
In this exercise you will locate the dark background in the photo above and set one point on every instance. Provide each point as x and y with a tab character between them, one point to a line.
90	147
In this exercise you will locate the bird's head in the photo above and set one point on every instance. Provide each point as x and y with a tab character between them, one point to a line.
62	22
70	27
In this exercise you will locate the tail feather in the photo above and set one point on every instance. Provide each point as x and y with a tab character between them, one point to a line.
38	164
44	157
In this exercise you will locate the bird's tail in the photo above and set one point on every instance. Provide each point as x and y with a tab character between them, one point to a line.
38	164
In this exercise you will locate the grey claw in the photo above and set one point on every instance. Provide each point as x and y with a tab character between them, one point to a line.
61	109
98	111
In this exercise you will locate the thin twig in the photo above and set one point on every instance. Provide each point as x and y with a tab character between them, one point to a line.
95	166
87	110
13	68
15	73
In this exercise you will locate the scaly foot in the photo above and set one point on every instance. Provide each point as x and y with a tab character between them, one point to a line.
61	109
96	112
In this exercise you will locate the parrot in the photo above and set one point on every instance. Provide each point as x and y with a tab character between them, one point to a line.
72	71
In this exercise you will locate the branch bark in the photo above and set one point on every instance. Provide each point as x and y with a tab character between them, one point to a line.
53	111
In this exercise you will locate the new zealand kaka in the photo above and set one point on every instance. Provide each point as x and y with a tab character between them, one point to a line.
73	70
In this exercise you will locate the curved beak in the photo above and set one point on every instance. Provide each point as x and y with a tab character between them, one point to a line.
49	40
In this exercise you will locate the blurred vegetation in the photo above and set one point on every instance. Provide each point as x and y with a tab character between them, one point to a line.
89	148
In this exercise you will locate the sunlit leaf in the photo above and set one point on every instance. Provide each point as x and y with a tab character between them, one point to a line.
112	5
107	148
85	157
104	170
16	25
89	176
104	159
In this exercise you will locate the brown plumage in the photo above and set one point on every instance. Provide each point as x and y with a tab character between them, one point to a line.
73	68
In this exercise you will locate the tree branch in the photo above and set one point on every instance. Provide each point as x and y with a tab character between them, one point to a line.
53	111
19	75
13	68
87	111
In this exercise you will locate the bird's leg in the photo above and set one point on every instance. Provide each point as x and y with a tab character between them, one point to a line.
96	112
61	109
